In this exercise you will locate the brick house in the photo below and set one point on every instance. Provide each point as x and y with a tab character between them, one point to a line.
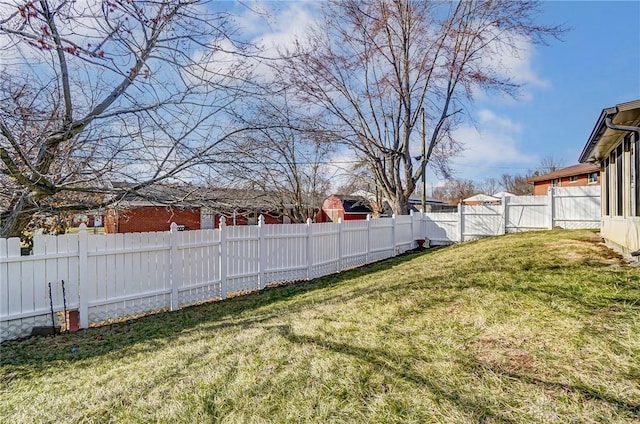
155	208
142	218
582	174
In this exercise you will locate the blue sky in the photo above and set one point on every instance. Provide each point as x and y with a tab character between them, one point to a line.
567	83
596	65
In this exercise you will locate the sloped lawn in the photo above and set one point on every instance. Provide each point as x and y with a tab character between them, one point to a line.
533	327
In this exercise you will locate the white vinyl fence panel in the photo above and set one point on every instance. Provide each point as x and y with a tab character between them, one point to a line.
326	255
115	276
404	239
354	243
525	213
441	227
482	221
576	207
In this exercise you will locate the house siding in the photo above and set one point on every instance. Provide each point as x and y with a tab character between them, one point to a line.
541	188
622	233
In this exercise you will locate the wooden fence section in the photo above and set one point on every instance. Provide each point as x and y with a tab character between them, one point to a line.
119	275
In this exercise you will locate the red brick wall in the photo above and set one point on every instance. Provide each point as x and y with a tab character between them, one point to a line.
541	188
150	218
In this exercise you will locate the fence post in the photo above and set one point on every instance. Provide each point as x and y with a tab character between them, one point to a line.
550	200
83	275
222	227
262	257
460	222
339	245
503	227
309	249
368	254
413	237
176	266
393	232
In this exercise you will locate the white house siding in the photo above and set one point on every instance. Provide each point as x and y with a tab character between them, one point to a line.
622	233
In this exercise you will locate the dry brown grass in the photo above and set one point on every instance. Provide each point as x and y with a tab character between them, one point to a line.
532	328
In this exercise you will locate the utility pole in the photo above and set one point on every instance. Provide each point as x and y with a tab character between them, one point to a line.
424	168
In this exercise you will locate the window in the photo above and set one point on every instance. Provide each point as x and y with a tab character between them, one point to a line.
606	189
619	155
252	219
573	178
592	178
635	175
555	182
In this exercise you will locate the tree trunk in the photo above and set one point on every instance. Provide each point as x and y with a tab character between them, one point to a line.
399	204
18	215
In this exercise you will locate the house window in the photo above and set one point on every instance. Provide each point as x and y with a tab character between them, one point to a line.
555	182
635	176
619	155
573	178
252	219
592	178
606	188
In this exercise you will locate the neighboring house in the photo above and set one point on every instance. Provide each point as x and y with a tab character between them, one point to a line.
614	144
347	207
481	199
503	194
582	174
155	208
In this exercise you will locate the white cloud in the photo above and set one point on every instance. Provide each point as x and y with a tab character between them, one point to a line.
516	62
491	148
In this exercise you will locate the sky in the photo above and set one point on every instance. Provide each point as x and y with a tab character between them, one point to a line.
566	84
596	65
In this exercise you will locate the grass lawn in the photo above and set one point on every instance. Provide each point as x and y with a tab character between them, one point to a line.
533	327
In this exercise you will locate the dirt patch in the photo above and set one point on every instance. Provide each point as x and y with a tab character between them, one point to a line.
588	250
504	354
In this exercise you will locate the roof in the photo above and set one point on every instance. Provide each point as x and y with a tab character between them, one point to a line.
415	200
569	171
603	138
354	204
190	196
481	198
503	194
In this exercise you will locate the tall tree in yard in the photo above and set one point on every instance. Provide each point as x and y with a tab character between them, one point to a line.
284	157
92	92
372	66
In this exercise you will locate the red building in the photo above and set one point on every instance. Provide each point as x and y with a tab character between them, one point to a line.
144	218
343	206
137	213
573	176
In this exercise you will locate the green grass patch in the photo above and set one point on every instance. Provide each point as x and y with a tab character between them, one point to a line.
534	327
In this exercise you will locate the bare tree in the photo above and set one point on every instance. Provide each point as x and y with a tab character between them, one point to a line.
373	66
92	92
455	191
284	157
489	186
550	164
516	184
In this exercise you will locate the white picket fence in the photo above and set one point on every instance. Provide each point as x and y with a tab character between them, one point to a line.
115	276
